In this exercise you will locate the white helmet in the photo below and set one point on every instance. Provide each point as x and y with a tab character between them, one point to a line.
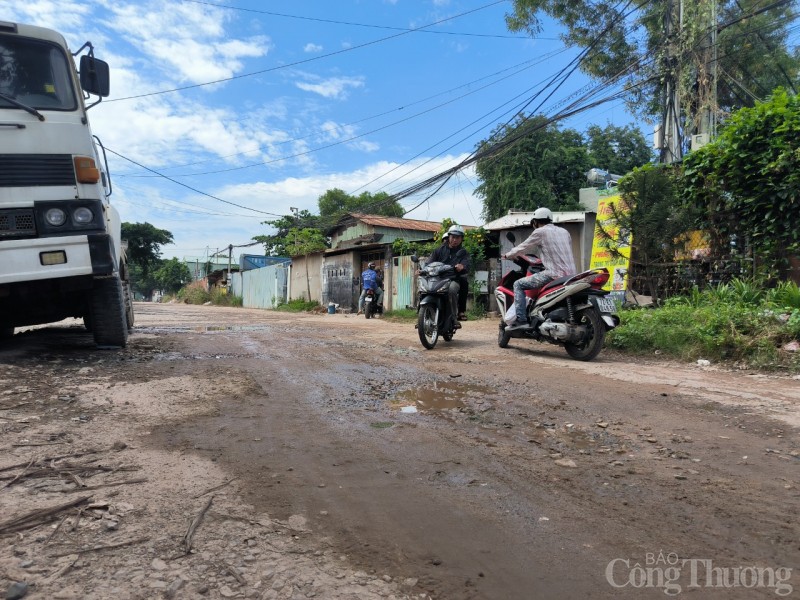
542	214
456	230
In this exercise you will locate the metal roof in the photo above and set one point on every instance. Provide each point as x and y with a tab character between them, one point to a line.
523	219
394	222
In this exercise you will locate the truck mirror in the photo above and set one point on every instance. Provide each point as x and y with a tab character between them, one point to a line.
94	76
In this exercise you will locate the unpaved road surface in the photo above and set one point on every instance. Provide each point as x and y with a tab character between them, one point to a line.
234	453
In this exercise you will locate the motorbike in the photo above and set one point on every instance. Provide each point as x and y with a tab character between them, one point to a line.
434	315
371	306
574	312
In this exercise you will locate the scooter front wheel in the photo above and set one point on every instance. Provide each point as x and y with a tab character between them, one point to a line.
427	327
503	337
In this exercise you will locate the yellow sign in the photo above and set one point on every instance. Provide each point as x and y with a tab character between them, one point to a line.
612	251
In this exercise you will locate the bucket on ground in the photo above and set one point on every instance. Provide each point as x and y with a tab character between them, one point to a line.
331	308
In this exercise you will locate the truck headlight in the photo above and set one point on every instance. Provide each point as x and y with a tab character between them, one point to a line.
55	217
82	216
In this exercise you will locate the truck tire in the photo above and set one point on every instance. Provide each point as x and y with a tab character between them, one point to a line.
108	321
126	288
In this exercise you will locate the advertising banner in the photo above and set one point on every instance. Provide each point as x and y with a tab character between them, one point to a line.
612	251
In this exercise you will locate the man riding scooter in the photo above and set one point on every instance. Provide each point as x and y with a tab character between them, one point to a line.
555	250
369	281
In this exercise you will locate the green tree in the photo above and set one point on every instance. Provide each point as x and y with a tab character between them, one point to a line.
141	283
144	245
541	165
335	203
172	275
650	210
306	241
617	149
627	40
278	243
746	184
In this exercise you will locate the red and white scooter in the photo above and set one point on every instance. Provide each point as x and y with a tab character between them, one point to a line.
573	311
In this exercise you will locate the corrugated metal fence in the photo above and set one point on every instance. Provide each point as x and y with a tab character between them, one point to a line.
261	288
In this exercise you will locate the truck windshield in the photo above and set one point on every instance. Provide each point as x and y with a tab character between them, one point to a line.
35	73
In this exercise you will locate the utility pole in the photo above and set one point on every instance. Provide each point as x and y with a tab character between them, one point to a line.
230	252
670	143
707	86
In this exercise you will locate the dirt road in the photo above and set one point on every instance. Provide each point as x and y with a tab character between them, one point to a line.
342	460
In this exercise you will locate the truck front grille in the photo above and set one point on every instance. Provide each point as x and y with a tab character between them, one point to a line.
17	223
23	170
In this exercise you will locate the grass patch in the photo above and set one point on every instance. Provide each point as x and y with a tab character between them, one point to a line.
401	315
734	322
298	305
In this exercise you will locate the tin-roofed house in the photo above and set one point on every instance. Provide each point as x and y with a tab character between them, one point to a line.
356	240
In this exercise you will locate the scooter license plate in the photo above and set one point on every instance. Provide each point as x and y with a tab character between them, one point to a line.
606	305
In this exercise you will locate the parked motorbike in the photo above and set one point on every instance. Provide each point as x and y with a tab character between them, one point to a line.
371	306
574	311
434	315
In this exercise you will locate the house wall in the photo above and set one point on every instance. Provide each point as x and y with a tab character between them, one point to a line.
299	283
340	281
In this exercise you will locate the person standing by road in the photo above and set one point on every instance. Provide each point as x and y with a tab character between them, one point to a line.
555	250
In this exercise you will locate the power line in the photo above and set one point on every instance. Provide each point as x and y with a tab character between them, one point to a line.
352	24
307	60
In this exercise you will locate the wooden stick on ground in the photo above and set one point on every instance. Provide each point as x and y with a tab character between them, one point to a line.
38	517
214	489
99	548
25	470
187	539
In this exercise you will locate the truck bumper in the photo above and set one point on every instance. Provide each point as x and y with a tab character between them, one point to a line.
22	260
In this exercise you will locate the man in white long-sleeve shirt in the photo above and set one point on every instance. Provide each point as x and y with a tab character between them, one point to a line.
555	250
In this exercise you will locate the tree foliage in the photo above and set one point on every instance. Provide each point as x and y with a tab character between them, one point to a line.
746	183
546	166
172	275
617	149
144	245
625	37
651	212
333	204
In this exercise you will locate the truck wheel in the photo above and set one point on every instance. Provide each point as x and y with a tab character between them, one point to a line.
109	324
126	288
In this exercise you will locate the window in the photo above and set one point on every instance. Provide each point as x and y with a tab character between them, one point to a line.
35	73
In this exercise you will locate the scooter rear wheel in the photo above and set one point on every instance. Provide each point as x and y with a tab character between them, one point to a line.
596	335
427	327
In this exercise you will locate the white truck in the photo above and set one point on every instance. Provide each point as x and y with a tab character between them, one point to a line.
61	253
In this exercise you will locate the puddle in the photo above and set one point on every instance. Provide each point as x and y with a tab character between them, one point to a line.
439	396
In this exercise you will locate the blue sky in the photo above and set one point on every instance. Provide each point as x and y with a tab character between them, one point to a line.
306	96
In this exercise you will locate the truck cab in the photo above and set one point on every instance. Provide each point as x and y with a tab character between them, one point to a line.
61	253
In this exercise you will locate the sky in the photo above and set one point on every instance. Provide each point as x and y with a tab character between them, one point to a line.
224	115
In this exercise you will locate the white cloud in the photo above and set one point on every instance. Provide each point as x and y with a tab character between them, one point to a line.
311	48
333	87
187	42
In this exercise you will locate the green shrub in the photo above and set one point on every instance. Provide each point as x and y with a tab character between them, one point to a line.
727	323
194	293
220	298
298	305
785	295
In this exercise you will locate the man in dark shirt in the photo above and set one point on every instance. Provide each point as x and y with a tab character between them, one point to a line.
453	253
